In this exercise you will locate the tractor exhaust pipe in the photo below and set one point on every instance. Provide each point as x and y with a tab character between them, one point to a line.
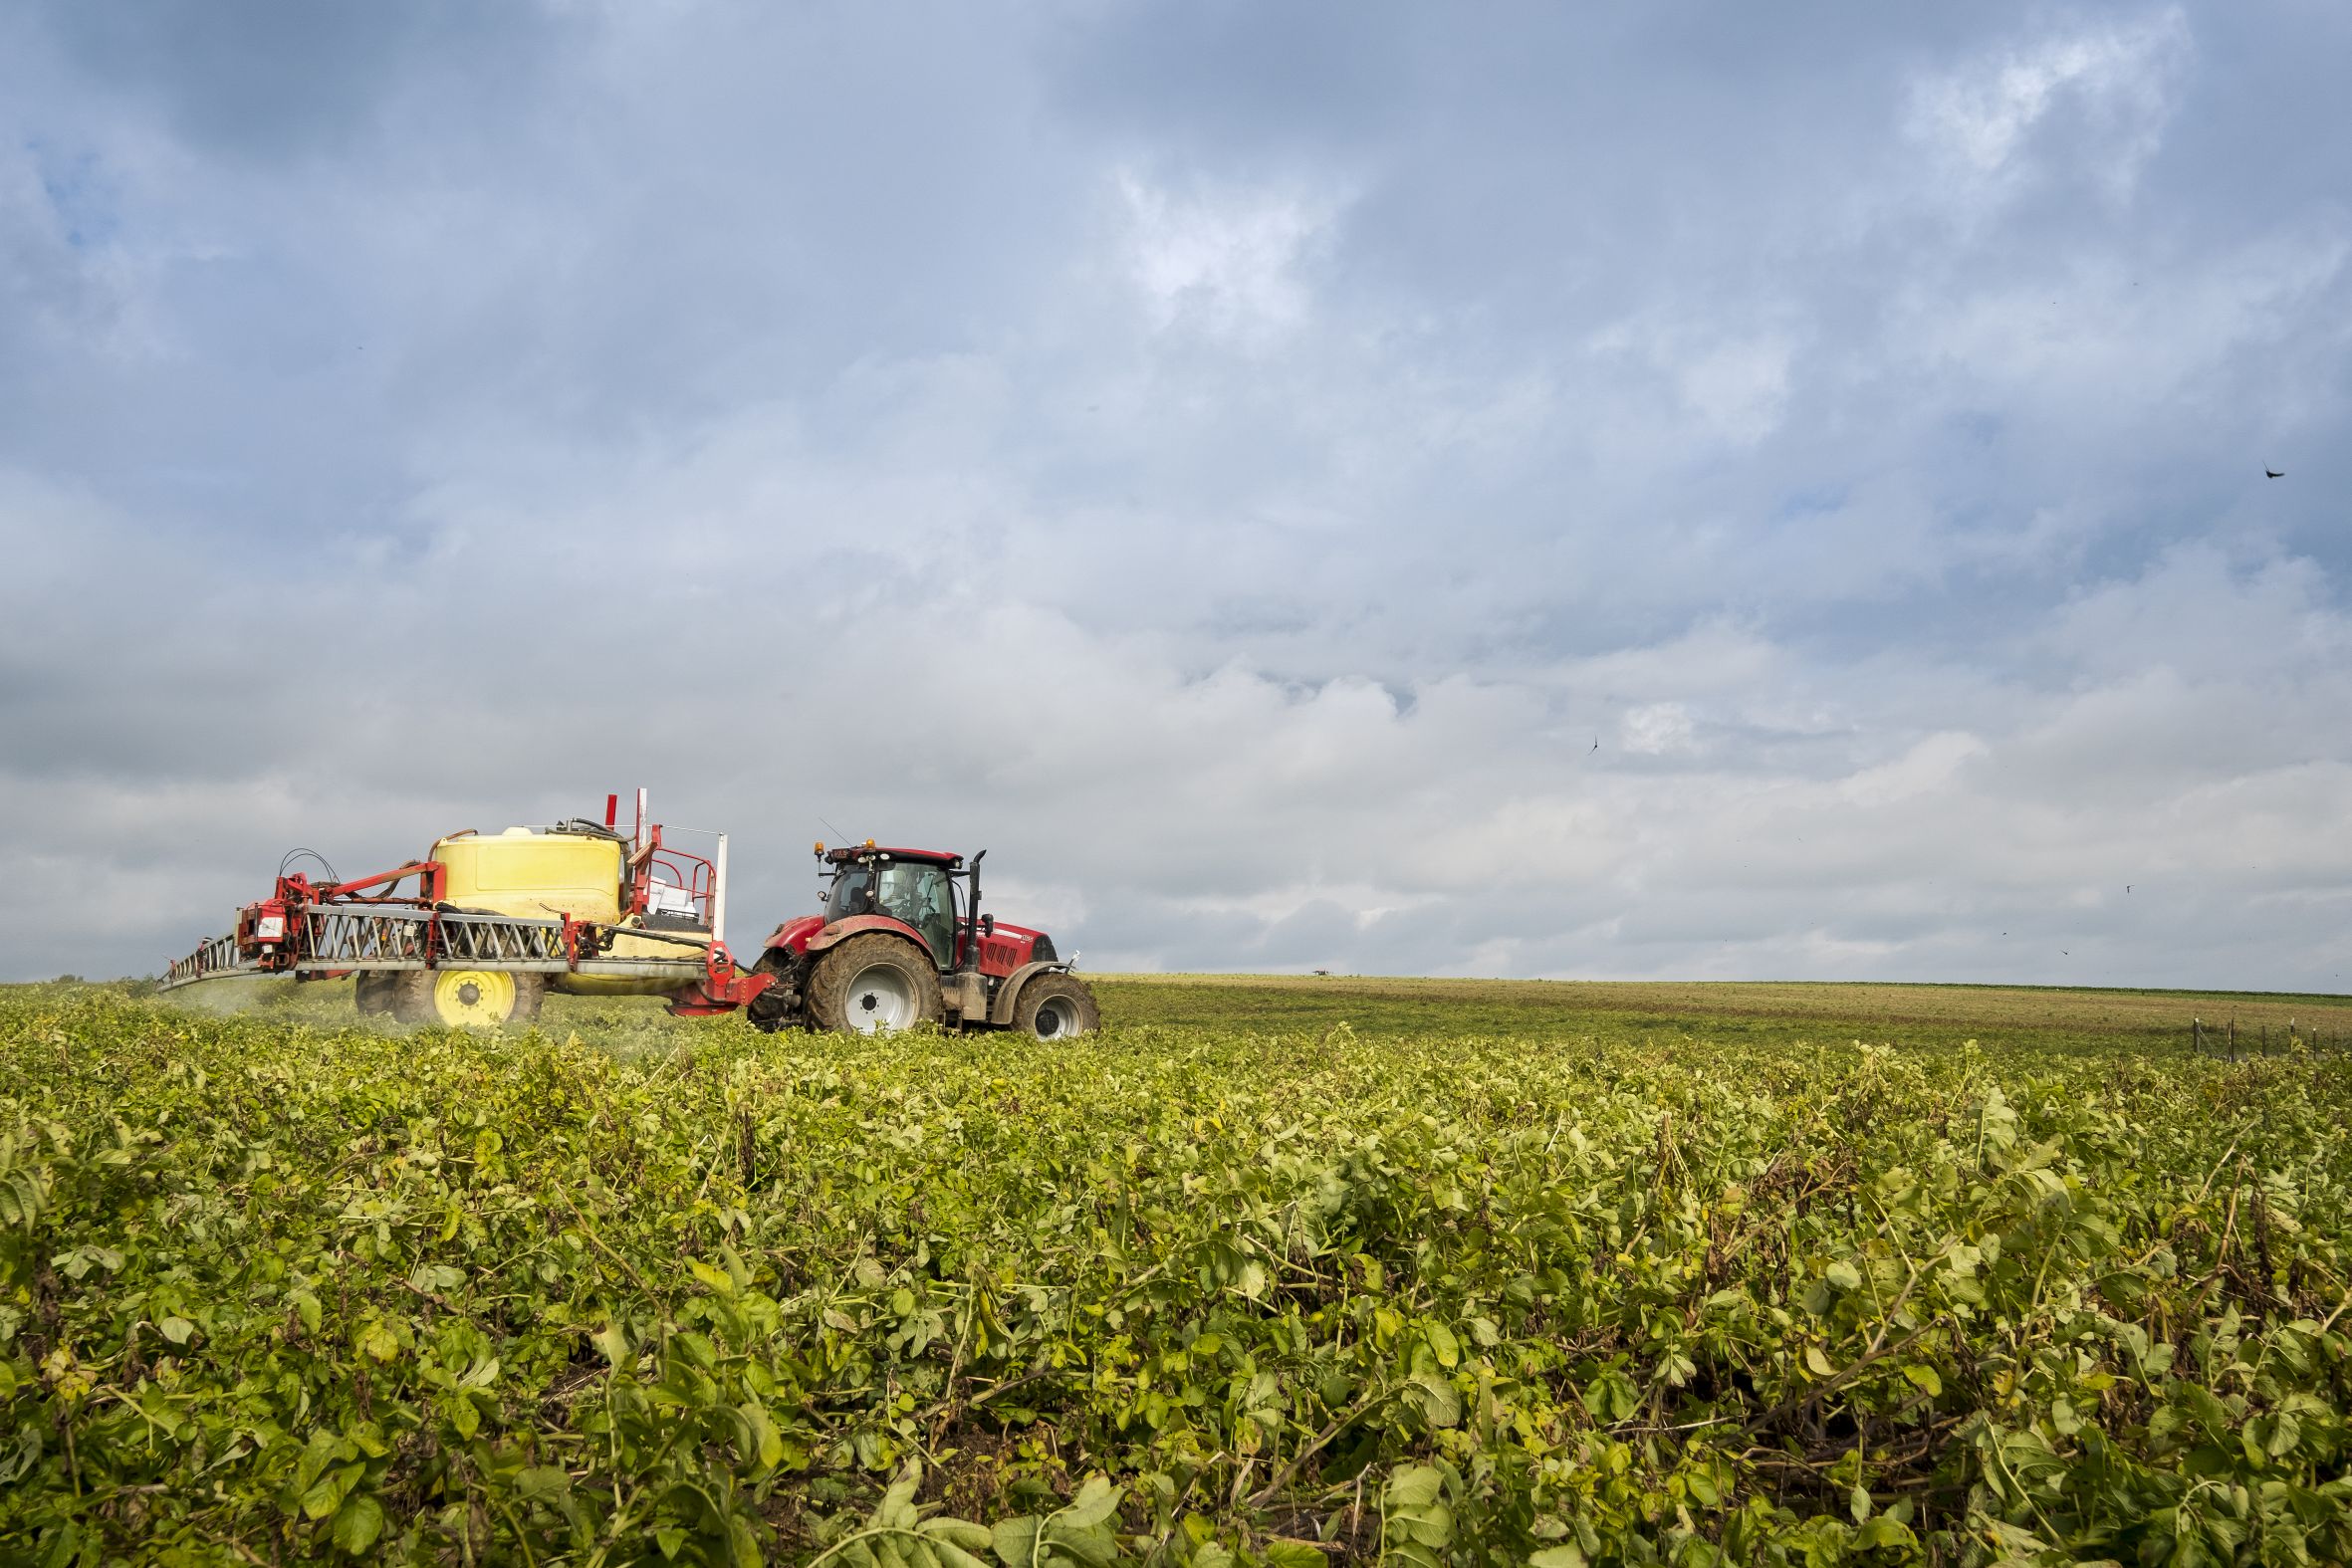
972	945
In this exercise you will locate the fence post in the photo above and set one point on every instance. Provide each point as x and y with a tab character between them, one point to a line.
2196	1035
2232	1039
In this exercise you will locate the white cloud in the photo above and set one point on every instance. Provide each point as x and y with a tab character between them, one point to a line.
1657	729
2115	80
1227	261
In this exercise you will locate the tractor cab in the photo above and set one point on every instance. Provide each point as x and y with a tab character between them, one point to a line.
914	886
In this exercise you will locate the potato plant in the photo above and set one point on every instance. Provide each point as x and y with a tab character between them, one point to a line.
1587	1290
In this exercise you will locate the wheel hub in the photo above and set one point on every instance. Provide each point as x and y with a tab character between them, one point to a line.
473	999
881	998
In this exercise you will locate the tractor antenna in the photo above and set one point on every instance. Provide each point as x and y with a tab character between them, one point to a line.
839	837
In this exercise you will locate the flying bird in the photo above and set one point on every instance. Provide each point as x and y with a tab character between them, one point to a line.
2273	473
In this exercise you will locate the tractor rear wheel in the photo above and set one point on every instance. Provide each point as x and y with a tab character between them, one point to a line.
873	983
1056	1006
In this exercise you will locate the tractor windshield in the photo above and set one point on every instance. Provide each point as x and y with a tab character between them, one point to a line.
853	894
914	891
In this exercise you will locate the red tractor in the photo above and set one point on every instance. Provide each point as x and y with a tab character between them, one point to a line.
902	942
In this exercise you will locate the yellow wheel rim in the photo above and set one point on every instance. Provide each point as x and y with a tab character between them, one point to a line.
473	999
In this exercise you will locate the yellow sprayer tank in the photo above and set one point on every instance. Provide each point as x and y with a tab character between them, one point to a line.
542	875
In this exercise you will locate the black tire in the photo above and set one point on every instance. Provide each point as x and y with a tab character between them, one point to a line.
866	977
412	996
1056	1006
778	1006
374	992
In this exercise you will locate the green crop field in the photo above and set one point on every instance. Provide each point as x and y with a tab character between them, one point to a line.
1272	1271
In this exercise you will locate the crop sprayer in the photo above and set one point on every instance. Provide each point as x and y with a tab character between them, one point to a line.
476	933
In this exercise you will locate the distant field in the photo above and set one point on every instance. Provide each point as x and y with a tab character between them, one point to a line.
1274	1270
1540	1006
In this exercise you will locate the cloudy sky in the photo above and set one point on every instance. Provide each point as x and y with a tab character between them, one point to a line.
1661	490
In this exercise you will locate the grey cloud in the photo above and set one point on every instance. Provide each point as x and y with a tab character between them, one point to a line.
1233	466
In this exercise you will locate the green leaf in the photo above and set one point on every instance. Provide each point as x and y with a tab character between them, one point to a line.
1414	1486
1096	1502
1014	1541
1282	1552
324	1496
1884	1531
961	1532
1437	1398
898	1508
1844	1275
716	1278
176	1329
1443	1345
1819	1362
357	1523
1924	1376
543	1483
1567	1554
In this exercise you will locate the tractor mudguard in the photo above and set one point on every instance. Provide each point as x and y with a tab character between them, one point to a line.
794	934
1001	1011
857	925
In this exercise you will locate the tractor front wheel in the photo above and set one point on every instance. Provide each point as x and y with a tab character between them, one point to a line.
872	983
778	1006
1057	1005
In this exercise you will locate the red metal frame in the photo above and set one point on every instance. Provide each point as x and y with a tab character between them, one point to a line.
722	989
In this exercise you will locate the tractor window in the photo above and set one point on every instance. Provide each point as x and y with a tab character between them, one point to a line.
853	894
919	894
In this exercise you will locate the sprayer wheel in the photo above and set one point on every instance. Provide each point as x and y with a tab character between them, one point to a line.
473	999
374	992
412	996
